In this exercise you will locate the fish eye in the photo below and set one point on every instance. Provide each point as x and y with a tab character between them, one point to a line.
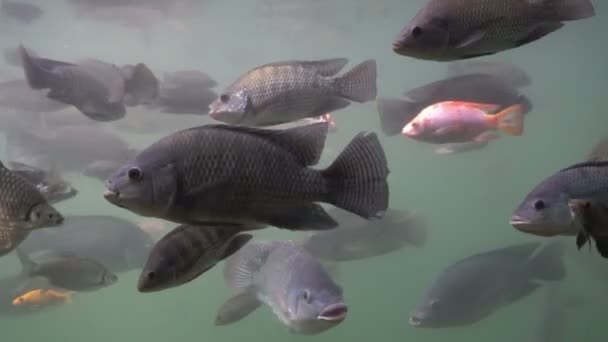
50	216
539	205
135	174
306	295
415	125
224	98
151	275
416	31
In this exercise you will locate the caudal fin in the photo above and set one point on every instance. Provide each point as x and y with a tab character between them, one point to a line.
511	120
359	84
36	76
564	10
357	178
395	114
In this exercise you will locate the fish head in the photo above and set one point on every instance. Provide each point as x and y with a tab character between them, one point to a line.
44	215
543	213
159	273
432	312
108	278
231	107
313	309
426	37
423	125
147	188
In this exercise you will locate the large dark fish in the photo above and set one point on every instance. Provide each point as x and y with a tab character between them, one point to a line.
591	217
252	176
22	209
508	73
357	238
287	279
475	287
288	91
68	271
479	88
21	11
461	29
186	253
116	243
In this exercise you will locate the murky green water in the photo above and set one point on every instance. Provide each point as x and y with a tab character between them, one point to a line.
467	198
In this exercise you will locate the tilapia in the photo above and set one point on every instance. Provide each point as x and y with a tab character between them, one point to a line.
462	29
252	176
288	91
356	238
118	244
68	271
480	88
141	85
509	73
186	253
472	289
591	217
287	279
22	209
50	183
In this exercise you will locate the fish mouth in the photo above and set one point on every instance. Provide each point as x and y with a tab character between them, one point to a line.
112	197
398	46
334	312
416	321
530	227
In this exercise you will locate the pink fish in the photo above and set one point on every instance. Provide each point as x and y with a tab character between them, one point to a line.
459	122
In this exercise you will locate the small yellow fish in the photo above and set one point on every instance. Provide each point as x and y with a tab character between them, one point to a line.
43	297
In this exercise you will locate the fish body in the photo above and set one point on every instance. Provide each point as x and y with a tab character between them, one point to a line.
253	177
508	73
186	253
68	271
472	289
43	298
287	279
477	87
463	29
459	122
50	183
22	209
287	91
545	211
356	238
116	243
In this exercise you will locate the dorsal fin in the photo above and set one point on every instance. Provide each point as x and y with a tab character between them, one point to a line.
599	151
306	142
324	67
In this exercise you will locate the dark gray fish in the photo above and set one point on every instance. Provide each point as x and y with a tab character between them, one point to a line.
116	243
252	176
356	238
21	11
12	56
287	279
288	91
462	29
22	209
187	252
141	85
475	287
545	211
591	217
17	95
479	88
68	271
508	73
51	183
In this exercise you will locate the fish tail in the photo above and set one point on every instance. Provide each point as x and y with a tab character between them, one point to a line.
359	84
511	120
27	264
564	10
37	77
526	104
357	178
395	114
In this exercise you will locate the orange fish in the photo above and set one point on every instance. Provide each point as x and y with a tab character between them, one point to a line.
43	297
459	122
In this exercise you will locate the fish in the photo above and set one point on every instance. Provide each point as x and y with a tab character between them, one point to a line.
592	219
511	74
20	11
444	149
68	271
12	56
141	85
473	288
43	297
50	183
479	88
118	244
22	209
188	78
252	176
545	210
17	95
463	29
185	92
356	238
287	279
287	91
461	122
186	253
